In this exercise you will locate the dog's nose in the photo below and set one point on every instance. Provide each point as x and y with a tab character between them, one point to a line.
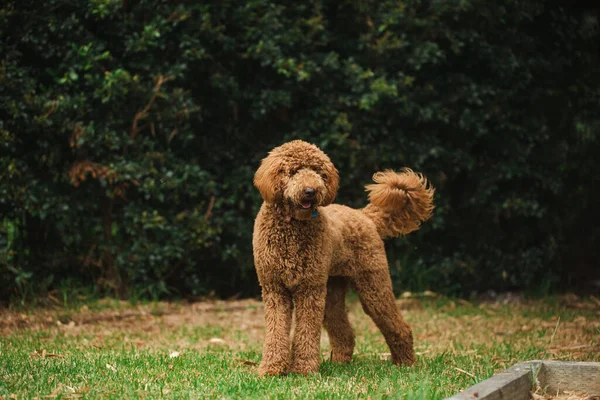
309	192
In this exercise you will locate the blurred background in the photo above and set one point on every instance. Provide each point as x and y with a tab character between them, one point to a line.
130	131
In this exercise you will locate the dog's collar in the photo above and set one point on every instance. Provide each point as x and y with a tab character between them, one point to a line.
288	218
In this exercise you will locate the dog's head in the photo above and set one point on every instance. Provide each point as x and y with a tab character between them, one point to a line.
298	177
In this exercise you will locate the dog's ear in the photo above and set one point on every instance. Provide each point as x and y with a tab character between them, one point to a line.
332	182
265	178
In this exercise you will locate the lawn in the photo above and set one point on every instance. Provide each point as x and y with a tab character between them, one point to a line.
112	349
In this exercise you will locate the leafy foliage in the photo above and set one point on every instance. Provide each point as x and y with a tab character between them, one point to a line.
131	130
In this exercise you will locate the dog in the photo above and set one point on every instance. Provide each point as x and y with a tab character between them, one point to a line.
308	252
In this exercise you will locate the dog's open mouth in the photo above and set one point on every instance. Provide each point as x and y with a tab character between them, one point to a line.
306	204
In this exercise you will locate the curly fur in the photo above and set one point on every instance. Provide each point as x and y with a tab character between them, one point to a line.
308	252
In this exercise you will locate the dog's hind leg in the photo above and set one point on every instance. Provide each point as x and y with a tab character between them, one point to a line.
309	303
278	322
341	334
374	288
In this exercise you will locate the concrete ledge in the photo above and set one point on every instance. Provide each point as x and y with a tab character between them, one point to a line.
516	382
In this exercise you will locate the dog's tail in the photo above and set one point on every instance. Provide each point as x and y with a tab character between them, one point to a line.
399	202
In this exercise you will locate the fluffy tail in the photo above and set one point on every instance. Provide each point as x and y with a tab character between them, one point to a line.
400	202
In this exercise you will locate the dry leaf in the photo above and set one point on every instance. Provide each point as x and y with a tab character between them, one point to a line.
217	341
385	356
44	354
54	299
70	389
54	393
450	306
464	372
174	354
113	369
246	362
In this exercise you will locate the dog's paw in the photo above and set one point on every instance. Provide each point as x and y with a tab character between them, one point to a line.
342	358
406	358
305	367
272	369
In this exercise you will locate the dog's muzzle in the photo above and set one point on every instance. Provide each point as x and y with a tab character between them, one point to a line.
309	198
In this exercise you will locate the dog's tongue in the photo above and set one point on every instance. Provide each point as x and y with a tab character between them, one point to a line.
306	204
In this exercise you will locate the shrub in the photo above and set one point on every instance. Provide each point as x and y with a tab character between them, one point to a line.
131	131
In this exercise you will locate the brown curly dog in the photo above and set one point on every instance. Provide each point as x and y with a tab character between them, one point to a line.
308	252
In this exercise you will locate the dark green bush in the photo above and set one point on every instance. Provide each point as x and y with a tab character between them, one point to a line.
131	130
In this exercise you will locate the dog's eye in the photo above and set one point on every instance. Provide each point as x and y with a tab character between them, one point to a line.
324	176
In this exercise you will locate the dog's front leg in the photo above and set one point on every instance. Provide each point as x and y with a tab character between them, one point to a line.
310	307
278	321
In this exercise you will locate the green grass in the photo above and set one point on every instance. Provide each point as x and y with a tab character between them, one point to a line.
117	350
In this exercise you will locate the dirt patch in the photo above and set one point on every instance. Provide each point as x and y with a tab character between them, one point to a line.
151	321
124	314
566	395
452	327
